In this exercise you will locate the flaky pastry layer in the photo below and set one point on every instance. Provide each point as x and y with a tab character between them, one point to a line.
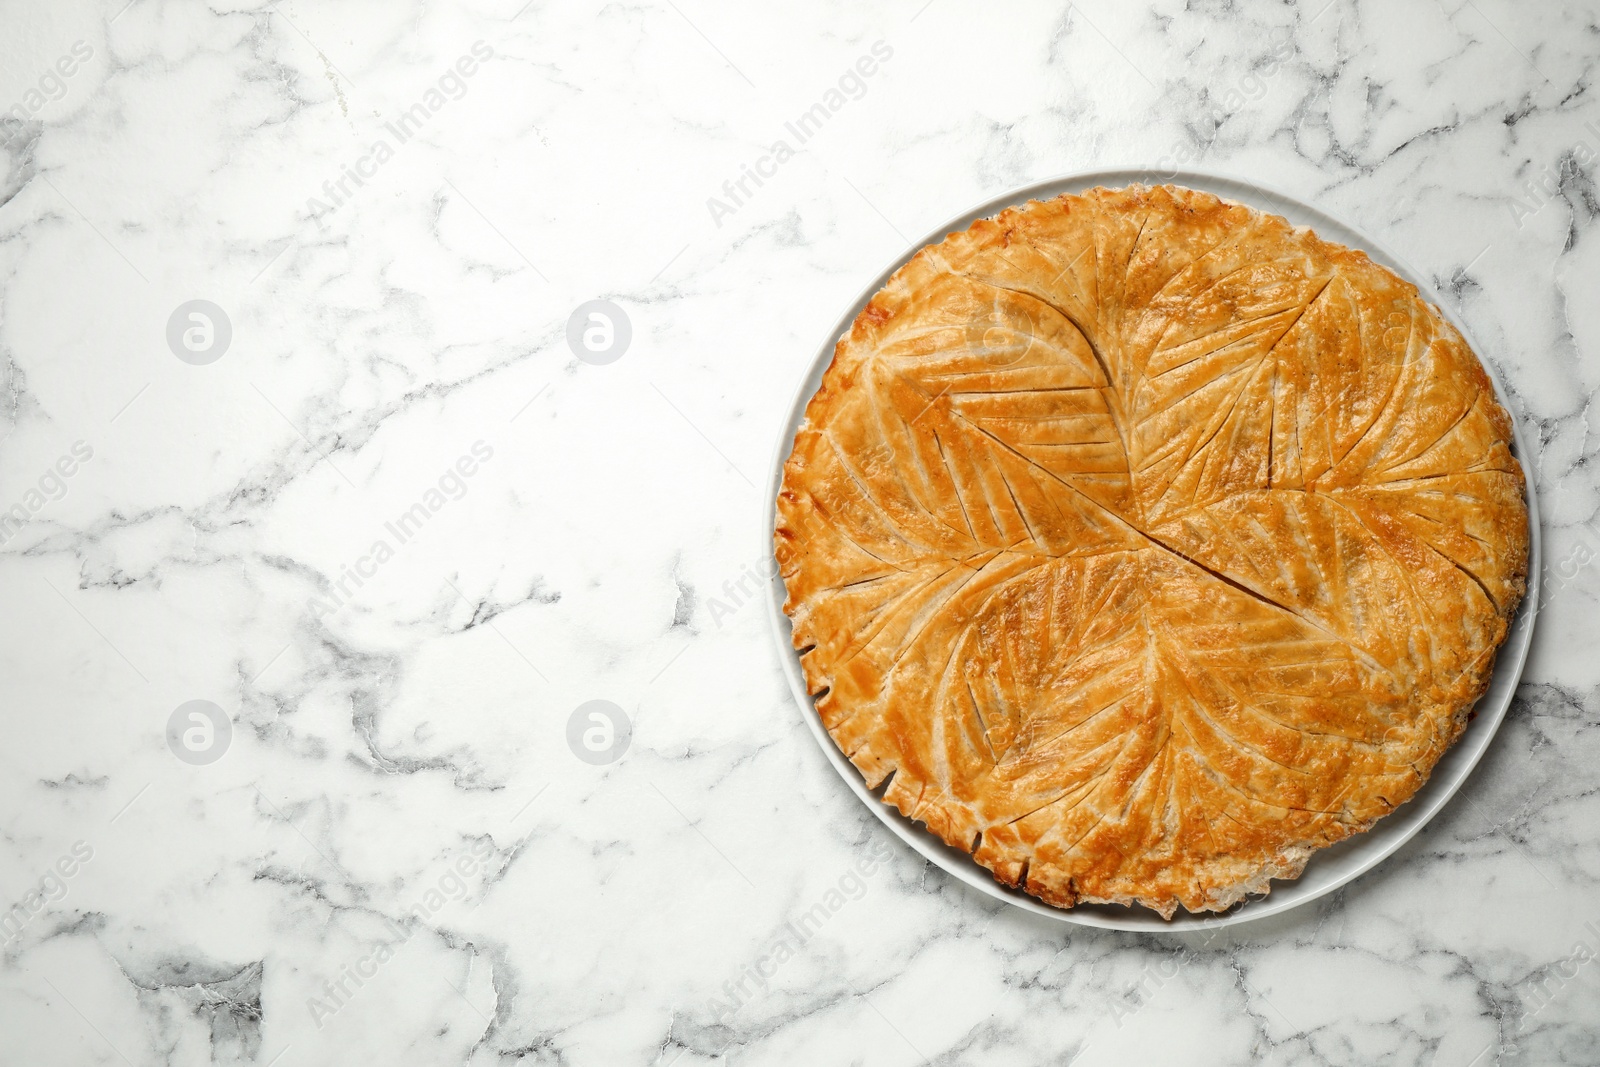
1145	544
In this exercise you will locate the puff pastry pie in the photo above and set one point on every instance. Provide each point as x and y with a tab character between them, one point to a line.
1144	544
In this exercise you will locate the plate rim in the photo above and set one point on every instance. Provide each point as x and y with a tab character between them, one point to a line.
1405	822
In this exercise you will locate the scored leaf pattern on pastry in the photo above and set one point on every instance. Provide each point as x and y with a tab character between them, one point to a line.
1145	544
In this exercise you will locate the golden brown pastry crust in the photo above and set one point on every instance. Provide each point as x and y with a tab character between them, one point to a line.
1150	544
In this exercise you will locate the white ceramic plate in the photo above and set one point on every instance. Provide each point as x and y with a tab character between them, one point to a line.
1328	869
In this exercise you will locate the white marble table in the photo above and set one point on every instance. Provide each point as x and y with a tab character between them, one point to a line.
374	513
